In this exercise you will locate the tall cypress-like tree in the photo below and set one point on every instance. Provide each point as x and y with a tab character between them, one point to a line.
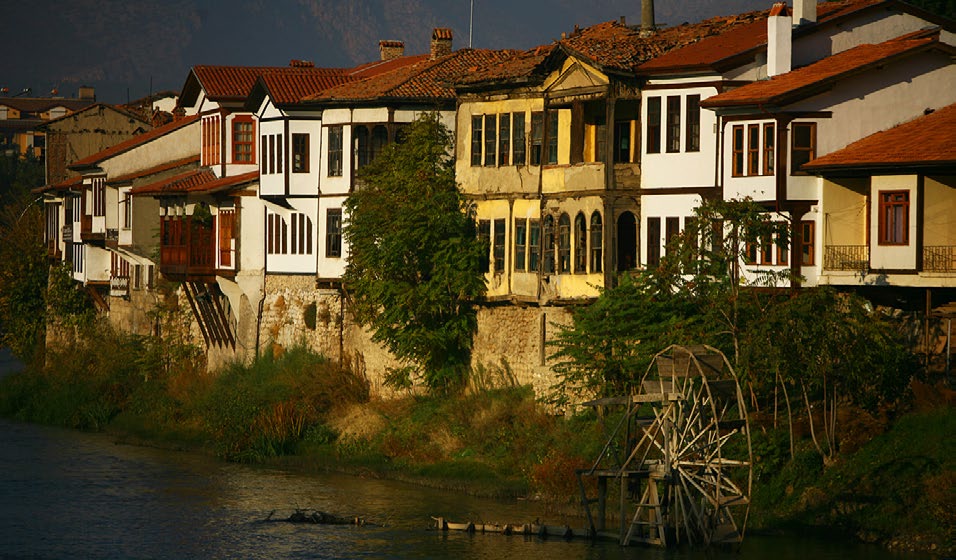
414	268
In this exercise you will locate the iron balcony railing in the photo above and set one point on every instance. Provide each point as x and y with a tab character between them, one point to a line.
846	257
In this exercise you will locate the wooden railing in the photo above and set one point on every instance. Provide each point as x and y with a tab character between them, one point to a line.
939	258
846	257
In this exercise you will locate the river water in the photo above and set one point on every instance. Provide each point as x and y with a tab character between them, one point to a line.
66	494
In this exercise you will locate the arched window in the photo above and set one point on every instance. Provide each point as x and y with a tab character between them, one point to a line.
547	249
564	244
580	243
361	147
597	242
379	141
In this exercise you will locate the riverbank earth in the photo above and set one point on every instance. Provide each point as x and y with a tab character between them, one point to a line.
892	482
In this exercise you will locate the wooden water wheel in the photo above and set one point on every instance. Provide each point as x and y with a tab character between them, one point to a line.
680	454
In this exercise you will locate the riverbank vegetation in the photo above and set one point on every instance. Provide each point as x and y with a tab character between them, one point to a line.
891	483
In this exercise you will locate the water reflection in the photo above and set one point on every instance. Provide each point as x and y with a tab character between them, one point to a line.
66	494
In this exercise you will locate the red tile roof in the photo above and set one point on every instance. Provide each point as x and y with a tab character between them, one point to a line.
381	66
287	89
133	142
198	181
927	140
800	83
62	186
522	66
611	46
429	79
233	83
739	43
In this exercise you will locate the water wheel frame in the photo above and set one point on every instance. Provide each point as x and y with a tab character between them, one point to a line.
687	475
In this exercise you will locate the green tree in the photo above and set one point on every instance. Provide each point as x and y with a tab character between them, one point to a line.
414	268
23	267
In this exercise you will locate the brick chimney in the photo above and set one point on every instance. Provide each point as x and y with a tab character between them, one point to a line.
391	49
804	11
87	93
779	44
441	42
647	18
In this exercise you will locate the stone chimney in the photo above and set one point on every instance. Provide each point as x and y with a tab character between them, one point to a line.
647	18
441	42
86	93
779	26
391	49
804	11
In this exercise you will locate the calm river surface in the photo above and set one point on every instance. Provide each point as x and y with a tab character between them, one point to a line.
65	494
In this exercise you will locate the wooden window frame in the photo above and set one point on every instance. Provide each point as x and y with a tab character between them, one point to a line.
692	108
653	125
597	242
553	121
335	150
807	153
521	244
536	157
894	206
769	142
300	152
753	150
477	139
333	233
808	243
653	241
504	139
491	143
564	244
519	139
580	244
737	151
500	237
239	123
672	140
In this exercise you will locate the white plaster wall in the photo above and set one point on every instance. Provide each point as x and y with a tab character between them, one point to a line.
305	184
681	169
331	267
290	263
271	184
893	257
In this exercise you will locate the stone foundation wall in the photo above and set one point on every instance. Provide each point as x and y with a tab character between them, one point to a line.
516	338
511	344
135	314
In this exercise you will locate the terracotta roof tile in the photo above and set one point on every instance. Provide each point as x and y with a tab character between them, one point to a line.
198	181
736	40
427	79
133	142
520	66
222	83
929	139
805	81
287	89
381	66
178	184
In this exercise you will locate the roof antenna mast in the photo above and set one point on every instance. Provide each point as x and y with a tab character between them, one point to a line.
471	26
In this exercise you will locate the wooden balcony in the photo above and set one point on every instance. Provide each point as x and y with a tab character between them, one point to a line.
187	249
853	258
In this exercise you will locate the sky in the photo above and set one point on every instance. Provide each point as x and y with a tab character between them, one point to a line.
127	48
